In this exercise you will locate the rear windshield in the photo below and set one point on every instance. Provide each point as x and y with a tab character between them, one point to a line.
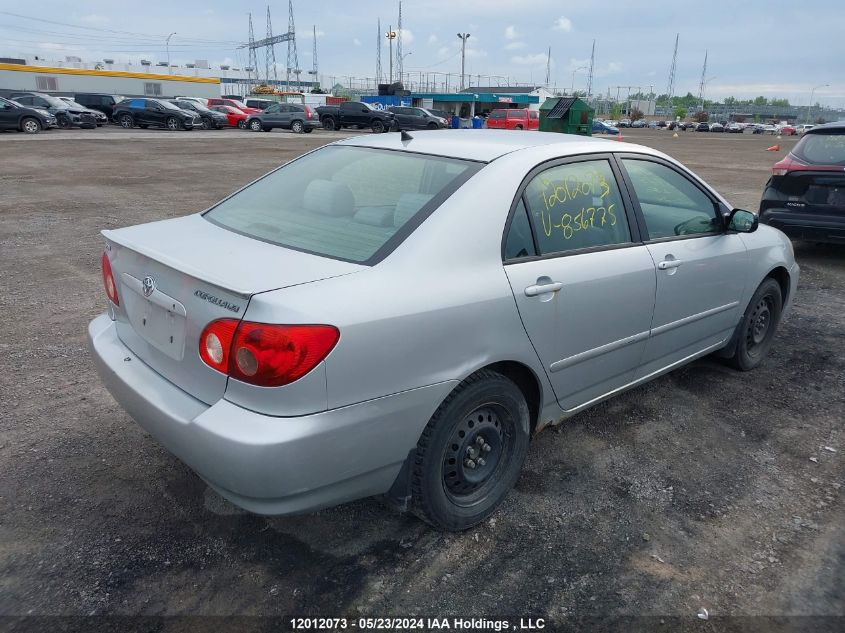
822	149
350	203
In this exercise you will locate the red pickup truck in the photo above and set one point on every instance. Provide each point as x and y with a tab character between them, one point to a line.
514	119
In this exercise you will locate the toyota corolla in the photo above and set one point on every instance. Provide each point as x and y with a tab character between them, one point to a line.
400	316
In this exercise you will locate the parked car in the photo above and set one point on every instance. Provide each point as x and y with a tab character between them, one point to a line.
804	127
734	128
233	103
624	123
787	130
209	119
443	114
717	127
290	116
513	119
100	117
357	114
234	116
408	118
156	113
267	372
600	127
805	196
14	116
66	115
702	127
258	104
98	101
639	123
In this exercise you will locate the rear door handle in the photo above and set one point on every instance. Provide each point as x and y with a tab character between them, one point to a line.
541	289
666	264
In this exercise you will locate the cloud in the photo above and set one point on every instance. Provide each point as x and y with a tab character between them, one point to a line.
530	60
407	36
510	33
432	39
357	42
514	46
563	24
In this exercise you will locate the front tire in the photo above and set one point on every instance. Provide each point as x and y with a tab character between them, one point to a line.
30	125
126	121
255	125
471	452
63	122
757	328
242	124
173	123
378	127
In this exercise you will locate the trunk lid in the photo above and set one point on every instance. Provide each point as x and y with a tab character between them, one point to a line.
815	190
175	276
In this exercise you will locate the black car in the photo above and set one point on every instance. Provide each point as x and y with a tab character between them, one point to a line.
14	116
289	116
210	119
154	112
702	127
99	117
105	103
66	115
805	197
358	114
408	118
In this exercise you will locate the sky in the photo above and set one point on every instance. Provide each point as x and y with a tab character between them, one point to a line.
774	48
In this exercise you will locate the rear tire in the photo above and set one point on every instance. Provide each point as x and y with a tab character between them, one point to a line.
242	124
470	453
328	123
518	127
297	127
757	327
30	125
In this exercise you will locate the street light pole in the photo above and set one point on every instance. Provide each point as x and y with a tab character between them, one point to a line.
810	105
463	37
167	46
572	88
391	35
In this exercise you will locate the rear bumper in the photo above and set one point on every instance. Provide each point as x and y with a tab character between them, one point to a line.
806	225
264	464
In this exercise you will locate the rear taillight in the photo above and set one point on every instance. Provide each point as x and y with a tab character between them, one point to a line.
108	280
788	164
264	354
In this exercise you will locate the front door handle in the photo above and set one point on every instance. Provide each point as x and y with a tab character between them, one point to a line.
544	288
666	264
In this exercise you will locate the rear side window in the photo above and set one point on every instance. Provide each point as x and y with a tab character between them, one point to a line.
351	203
519	242
497	114
136	103
577	205
821	149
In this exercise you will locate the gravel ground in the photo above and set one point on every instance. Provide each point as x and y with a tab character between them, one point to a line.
706	488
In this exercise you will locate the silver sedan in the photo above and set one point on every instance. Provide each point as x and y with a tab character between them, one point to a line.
399	315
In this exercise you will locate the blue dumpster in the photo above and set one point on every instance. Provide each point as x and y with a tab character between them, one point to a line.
477	123
456	121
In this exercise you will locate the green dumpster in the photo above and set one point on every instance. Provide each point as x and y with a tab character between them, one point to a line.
568	115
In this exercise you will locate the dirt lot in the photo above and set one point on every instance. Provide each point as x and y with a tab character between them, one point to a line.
704	489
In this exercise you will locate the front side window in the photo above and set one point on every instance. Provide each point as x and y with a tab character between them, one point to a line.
672	206
272	108
577	205
343	202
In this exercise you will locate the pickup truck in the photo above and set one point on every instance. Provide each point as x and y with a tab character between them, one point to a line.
358	114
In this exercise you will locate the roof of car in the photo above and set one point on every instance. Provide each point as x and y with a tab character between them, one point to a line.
826	127
482	145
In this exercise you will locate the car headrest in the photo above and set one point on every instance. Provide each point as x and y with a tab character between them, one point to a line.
329	198
375	216
407	205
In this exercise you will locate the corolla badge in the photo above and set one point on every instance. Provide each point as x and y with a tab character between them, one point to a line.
148	285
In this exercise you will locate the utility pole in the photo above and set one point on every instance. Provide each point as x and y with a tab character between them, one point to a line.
703	83
548	66
378	54
391	35
399	56
592	66
167	46
463	37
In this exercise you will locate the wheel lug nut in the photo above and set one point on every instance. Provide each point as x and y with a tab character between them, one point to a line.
469	464
487	448
481	461
480	441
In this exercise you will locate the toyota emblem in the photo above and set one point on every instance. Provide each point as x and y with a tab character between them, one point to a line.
149	285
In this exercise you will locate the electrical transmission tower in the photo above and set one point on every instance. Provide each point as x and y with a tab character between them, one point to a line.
270	51
703	81
592	66
293	56
378	54
252	69
314	70
548	66
399	55
670	88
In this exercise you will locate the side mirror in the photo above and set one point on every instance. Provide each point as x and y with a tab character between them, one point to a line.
742	221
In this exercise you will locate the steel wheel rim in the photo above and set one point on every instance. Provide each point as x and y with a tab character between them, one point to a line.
476	454
759	325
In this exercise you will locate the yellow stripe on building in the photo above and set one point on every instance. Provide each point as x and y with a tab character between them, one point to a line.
107	73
